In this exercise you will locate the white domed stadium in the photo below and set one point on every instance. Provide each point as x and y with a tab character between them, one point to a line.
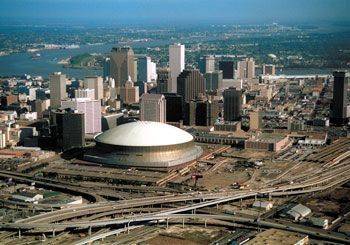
145	144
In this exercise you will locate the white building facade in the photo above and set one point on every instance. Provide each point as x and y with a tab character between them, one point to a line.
91	110
177	64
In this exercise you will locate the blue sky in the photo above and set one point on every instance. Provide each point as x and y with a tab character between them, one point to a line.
174	11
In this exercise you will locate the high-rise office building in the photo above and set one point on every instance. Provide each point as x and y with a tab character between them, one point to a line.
144	69
163	80
122	65
84	93
246	69
269	69
213	80
135	69
202	112
69	129
227	68
32	94
129	93
174	107
206	64
143	88
232	104
153	71
39	106
255	120
111	82
95	83
91	110
341	108
107	68
153	108
57	89
190	85
176	63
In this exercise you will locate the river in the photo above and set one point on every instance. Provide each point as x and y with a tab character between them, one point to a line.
22	63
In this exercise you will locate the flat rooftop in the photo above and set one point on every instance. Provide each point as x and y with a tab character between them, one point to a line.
269	137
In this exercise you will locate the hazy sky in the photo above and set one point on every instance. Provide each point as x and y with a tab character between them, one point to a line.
174	11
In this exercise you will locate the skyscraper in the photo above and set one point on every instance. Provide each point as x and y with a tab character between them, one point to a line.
57	89
144	69
190	85
84	93
206	64
153	108
255	120
341	107
213	80
232	104
122	65
143	88
174	107
106	68
95	83
202	112
39	106
163	80
227	68
246	69
269	70
70	131
129	93
32	94
177	64
91	110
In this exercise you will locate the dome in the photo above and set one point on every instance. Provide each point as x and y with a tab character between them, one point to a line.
144	133
144	144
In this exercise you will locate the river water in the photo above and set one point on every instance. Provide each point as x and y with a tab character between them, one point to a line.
22	63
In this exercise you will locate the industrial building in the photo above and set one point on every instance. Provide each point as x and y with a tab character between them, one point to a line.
27	197
298	212
263	205
267	142
144	144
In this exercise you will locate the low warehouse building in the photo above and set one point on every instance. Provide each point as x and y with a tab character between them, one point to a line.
263	205
298	212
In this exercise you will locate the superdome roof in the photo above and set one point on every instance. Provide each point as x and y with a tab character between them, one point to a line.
142	133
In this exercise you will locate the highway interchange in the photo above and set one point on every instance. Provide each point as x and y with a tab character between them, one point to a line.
134	212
